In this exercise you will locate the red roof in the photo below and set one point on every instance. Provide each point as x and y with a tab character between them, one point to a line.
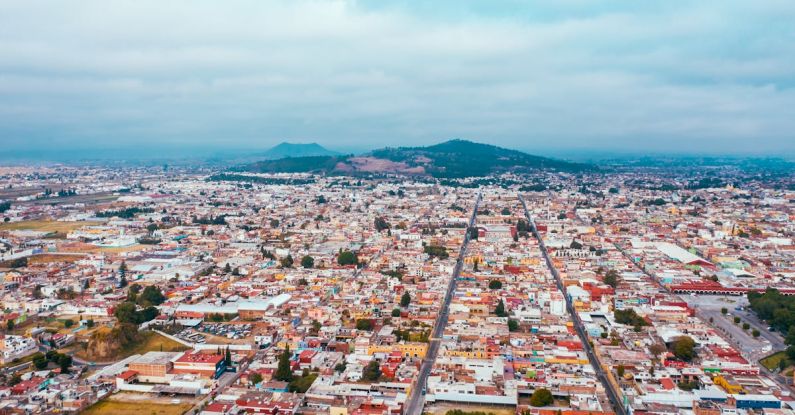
127	375
200	358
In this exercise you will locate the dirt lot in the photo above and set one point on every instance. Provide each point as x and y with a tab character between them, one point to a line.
45	225
134	404
442	408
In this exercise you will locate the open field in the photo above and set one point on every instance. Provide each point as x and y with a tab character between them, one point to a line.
79	247
114	407
48	258
152	342
45	225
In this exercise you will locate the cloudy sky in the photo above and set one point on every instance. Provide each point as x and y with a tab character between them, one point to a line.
558	75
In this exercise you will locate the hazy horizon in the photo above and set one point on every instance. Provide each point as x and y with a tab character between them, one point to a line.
563	79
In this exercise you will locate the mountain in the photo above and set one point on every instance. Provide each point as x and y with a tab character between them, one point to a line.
450	159
285	149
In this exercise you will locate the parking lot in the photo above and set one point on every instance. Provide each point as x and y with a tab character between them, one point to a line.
205	330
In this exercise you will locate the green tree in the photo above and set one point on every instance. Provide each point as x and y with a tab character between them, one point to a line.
372	372
64	362
381	224
123	274
307	261
495	284
347	258
284	371
364	324
541	397
10	325
405	300
40	361
395	312
724	310
286	262
513	325
620	370
684	348
736	320
755	333
500	309
611	278
255	378
150	296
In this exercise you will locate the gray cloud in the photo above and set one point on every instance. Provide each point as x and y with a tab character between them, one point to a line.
658	76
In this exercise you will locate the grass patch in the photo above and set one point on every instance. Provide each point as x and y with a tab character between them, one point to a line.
46	225
773	361
151	342
135	408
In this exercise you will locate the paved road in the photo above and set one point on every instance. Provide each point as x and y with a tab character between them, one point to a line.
416	401
612	394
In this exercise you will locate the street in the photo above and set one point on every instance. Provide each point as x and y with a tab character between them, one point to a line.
416	400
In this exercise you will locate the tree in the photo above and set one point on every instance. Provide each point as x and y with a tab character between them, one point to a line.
254	378
381	224
68	323
405	300
684	348
724	310
500	309
513	325
228	357
364	324
372	372
611	278
308	262
657	349
64	362
495	284
755	333
151	296
736	320
284	371
286	262
40	361
395	312
151	228
746	326
620	370
473	232
123	274
541	397
340	367
10	325
347	258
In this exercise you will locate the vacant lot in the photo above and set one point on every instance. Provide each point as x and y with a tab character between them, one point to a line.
151	342
772	362
442	408
45	225
134	408
49	258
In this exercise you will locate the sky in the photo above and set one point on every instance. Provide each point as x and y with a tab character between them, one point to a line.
712	77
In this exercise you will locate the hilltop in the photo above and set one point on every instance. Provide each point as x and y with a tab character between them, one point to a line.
285	149
450	159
